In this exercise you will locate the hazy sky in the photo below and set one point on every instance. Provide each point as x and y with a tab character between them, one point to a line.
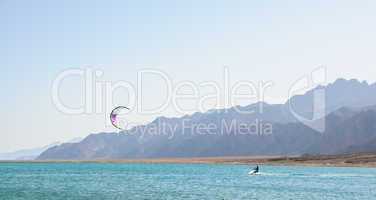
278	41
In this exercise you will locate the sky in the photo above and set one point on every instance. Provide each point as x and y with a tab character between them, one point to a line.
186	41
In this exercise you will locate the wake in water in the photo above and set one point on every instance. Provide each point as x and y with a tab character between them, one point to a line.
271	174
323	175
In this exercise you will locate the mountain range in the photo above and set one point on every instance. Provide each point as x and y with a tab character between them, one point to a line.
31	154
258	129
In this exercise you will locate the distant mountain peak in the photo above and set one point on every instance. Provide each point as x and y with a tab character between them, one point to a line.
346	125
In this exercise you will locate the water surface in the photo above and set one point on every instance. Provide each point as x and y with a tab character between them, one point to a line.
182	181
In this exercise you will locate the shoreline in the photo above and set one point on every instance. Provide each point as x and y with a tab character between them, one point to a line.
346	160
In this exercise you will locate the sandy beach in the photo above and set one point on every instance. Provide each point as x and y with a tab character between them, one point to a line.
348	160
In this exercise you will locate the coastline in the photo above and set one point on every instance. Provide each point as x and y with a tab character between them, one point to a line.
346	160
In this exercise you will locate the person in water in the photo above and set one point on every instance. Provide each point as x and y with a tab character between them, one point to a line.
256	170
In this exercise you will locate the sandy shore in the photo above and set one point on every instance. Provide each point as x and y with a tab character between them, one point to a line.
350	160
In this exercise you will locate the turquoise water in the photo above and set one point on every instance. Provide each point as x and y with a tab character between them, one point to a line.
182	181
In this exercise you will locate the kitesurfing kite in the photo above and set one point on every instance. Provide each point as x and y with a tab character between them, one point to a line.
117	117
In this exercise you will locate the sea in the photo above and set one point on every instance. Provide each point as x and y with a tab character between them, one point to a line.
182	181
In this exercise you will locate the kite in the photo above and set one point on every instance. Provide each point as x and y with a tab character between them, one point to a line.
117	117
